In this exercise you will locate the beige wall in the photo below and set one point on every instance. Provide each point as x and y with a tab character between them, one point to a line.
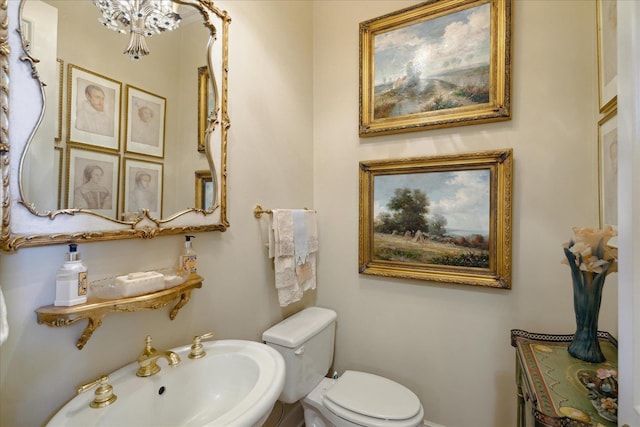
448	343
293	142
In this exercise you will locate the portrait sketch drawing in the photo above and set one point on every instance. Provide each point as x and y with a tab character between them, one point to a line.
143	185
94	108
92	184
610	176
145	122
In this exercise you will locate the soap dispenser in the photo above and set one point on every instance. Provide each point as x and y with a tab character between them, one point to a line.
188	258
71	280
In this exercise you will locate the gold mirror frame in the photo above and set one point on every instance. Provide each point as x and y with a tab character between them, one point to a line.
83	225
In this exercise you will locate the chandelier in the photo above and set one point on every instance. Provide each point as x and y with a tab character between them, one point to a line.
139	18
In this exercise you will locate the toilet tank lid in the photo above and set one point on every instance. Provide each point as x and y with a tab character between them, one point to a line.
298	328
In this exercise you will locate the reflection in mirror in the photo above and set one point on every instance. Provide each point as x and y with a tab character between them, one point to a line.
108	120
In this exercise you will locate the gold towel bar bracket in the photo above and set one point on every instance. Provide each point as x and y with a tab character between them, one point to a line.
258	211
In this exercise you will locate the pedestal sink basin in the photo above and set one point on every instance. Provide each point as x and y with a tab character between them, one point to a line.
235	384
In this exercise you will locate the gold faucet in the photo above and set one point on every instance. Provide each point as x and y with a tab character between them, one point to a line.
197	351
104	393
149	356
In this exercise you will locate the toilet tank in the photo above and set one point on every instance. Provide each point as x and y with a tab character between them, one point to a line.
305	341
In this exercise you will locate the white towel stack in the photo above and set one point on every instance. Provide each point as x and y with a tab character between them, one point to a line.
293	244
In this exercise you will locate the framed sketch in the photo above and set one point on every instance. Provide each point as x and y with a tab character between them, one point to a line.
26	29
93	109
58	161
206	104
143	184
608	169
92	180
444	218
60	75
606	11
145	122
419	69
204	190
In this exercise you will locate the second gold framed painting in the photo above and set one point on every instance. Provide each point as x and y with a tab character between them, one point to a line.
437	64
443	218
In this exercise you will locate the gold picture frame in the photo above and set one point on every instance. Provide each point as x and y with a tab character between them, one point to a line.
60	74
439	79
91	180
412	212
608	169
606	21
145	122
206	105
93	109
204	186
143	184
58	156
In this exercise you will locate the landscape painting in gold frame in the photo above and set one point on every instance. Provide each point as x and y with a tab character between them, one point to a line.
443	218
437	64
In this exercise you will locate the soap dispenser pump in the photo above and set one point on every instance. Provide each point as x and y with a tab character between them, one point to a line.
188	257
71	280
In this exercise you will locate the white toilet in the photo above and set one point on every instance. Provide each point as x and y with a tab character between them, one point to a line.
306	342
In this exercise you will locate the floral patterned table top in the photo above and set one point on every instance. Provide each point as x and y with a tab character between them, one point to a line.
568	387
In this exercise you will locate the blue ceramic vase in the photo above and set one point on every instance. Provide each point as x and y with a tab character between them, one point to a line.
587	296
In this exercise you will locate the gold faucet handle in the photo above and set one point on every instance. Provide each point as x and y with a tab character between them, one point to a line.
197	351
148	350
104	393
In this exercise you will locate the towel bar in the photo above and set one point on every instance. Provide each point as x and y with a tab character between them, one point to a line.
258	211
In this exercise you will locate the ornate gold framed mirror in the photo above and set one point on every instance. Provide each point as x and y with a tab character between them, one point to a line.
97	146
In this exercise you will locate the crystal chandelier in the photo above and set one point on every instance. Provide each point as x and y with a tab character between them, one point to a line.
139	18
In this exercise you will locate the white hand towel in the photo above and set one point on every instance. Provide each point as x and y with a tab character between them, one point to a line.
283	232
272	237
300	237
293	242
306	273
4	325
312	231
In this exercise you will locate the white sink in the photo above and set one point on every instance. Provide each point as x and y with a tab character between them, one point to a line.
235	384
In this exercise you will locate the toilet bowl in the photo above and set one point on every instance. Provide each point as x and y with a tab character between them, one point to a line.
361	399
306	342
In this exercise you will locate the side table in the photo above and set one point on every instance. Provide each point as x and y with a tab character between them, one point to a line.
564	391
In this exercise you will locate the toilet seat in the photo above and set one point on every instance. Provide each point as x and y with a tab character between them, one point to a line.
371	400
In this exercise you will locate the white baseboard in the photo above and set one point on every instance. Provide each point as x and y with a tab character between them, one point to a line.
431	424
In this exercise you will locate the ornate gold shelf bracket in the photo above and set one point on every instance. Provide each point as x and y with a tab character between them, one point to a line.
95	309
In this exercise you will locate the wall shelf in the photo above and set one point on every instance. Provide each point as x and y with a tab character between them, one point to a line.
95	309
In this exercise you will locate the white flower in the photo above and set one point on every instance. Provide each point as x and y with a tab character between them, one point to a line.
590	250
